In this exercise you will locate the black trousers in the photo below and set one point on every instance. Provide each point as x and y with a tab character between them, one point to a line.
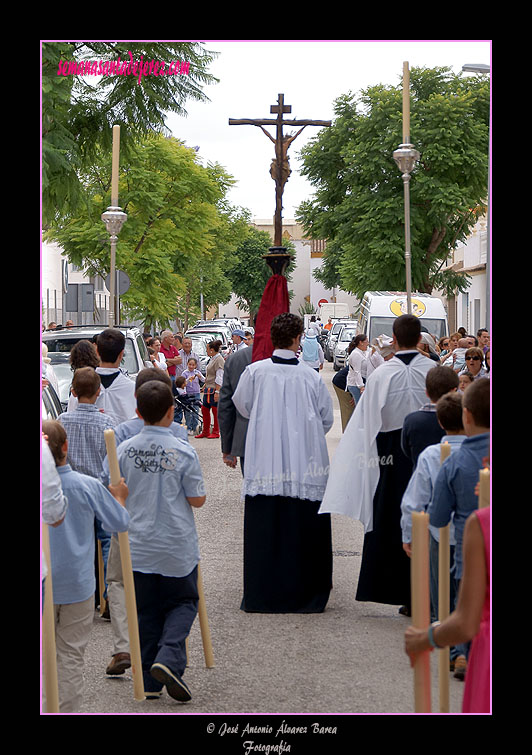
166	608
287	555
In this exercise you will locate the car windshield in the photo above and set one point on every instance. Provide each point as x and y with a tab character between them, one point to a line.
347	335
212	335
199	345
65	344
384	326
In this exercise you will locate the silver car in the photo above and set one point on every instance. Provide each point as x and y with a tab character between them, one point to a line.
346	335
333	337
136	356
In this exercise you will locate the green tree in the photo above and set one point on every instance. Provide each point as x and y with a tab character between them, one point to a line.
358	201
80	109
177	228
248	271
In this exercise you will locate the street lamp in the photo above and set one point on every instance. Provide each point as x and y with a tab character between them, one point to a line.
406	157
476	68
114	219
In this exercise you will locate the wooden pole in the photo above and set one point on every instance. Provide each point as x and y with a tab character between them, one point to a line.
48	633
101	578
444	596
419	570
116	162
127	576
204	623
406	103
484	489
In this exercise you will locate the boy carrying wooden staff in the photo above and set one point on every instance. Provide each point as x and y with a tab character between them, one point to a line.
165	481
72	562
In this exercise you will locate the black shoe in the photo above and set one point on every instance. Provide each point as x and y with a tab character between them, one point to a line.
175	686
405	611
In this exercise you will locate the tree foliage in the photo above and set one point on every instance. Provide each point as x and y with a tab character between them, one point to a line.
248	271
179	227
358	203
79	111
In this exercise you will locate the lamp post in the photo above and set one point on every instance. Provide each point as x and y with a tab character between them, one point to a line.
406	157
114	219
484	68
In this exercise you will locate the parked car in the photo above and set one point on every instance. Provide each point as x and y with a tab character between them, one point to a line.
60	362
213	333
199	347
50	405
334	332
346	335
136	355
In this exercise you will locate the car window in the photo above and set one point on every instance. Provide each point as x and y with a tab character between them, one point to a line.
129	361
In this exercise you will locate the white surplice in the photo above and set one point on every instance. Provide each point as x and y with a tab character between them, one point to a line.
392	391
290	410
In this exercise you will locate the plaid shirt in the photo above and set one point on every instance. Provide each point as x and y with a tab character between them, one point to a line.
86	443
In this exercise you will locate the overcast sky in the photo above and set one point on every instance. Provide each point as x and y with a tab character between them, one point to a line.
311	75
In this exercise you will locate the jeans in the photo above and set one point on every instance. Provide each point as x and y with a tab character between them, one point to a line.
192	408
166	607
354	390
105	540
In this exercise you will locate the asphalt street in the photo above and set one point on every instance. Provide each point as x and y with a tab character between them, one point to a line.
348	660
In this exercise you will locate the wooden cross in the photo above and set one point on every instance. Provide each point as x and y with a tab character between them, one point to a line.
279	168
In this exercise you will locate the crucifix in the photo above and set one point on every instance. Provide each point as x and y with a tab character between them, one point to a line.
279	168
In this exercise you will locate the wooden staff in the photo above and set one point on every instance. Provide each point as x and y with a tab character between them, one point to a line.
204	623
101	578
484	489
48	633
127	576
115	166
419	570
406	103
444	596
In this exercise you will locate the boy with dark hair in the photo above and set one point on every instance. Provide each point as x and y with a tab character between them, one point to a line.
72	562
121	658
421	428
454	489
85	425
419	491
166	482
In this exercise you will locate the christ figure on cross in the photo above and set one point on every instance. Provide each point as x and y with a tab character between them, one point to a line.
279	168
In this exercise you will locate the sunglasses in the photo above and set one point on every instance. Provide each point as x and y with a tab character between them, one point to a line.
475	359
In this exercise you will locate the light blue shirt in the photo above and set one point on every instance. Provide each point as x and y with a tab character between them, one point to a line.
72	543
161	471
132	427
454	489
418	493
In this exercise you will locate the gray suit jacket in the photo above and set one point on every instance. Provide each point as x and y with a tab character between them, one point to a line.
233	426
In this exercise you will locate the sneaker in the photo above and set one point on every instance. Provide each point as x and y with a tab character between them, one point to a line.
119	663
175	686
460	668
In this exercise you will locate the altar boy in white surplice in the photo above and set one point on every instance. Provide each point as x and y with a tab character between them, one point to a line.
370	472
287	544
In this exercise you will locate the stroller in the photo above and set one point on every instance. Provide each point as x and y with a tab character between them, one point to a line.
189	410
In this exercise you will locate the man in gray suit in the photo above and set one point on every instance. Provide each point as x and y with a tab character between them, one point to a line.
233	426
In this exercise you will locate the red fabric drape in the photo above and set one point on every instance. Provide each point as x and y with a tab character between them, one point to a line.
275	301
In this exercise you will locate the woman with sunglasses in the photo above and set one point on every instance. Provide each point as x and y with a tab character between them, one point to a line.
473	363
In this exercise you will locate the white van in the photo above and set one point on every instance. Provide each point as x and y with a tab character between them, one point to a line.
335	311
379	309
